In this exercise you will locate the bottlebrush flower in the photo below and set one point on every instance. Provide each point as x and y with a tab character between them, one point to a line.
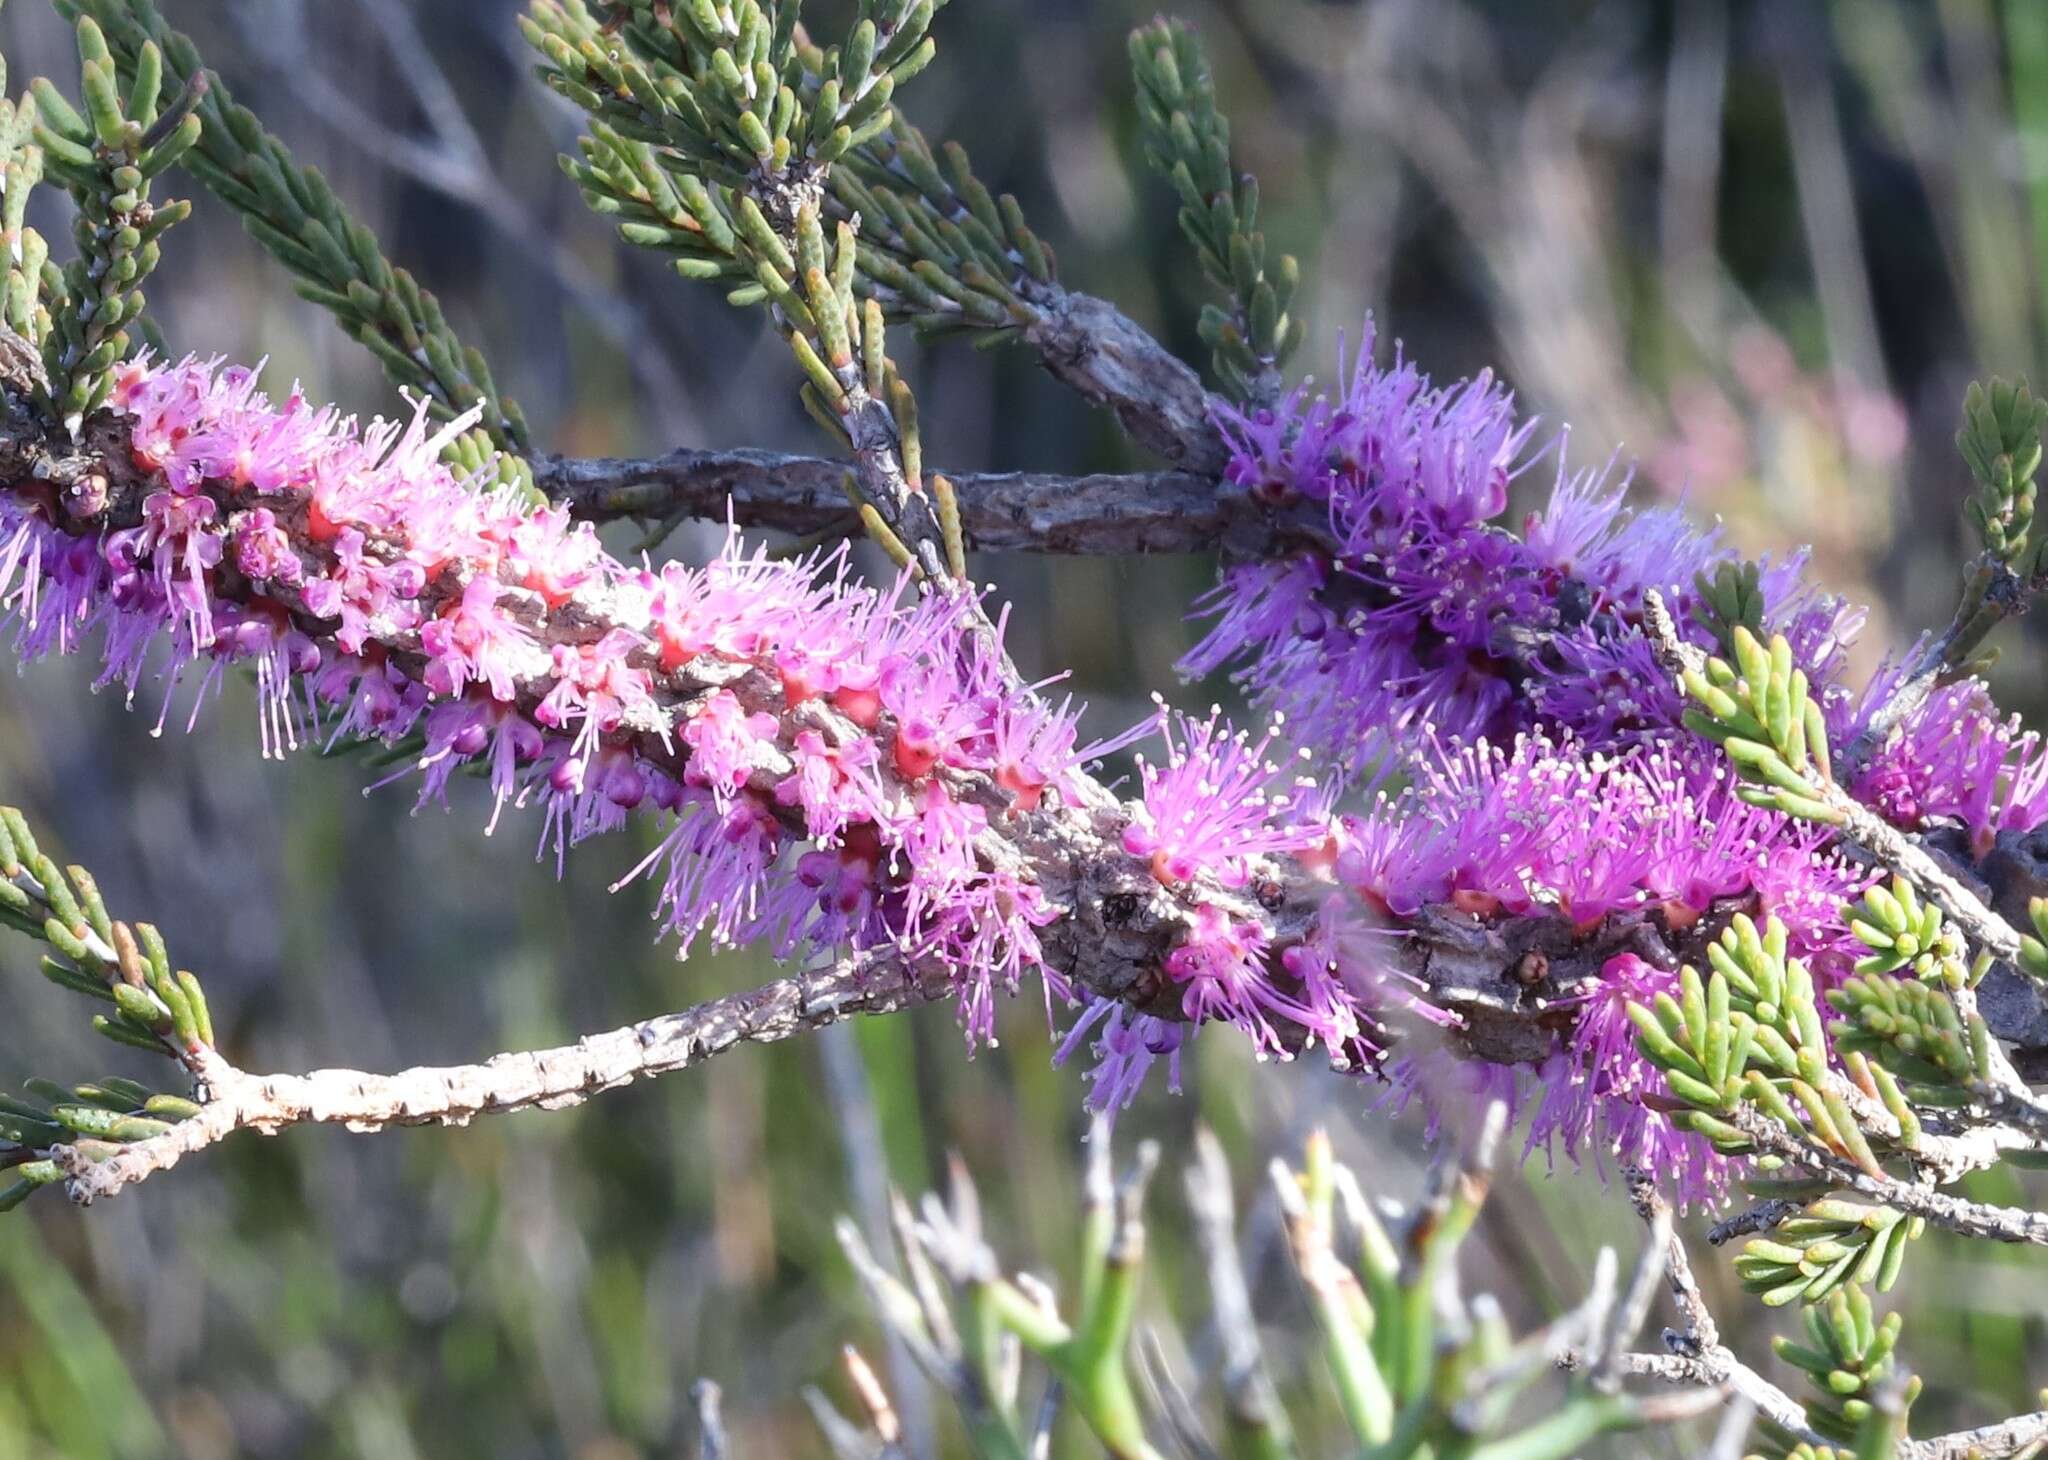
476	639
1410	611
1220	966
1956	756
1126	1045
756	705
1215	801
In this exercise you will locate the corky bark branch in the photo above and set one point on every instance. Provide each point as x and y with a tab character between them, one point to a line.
1083	341
547	1079
1987	1442
1940	1209
1036	512
1091	345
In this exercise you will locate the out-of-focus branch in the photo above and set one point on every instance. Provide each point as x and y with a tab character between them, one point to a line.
1697	1356
712	1442
1040	512
518	1080
1987	1442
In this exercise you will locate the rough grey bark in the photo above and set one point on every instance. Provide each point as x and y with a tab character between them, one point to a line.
547	1079
1103	513
1101	352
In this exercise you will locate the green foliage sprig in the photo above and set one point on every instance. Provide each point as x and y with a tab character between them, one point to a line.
960	1314
1913	1030
1912	1026
936	249
693	107
106	157
714	134
1848	1360
734	89
2000	440
2034	946
1731	598
30	280
1831	1243
1186	139
292	212
1905	933
152	1006
1757	709
1750	1034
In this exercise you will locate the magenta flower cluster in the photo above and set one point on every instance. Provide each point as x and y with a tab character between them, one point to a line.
1648	834
1957	760
1408	616
1508	681
828	756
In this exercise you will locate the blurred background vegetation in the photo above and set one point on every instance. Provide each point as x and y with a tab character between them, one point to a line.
1757	248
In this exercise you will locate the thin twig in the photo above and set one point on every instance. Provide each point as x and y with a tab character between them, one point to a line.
1987	1442
1700	1330
867	1176
1718	1368
711	1443
1048	1415
526	1079
1169	1401
1971	1219
1654	1262
1763	1217
875	1400
1697	1354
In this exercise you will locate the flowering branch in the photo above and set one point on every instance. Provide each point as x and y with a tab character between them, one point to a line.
1612	736
720	696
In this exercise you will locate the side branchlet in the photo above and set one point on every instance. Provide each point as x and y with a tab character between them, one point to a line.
295	215
2000	441
699	114
106	156
149	1004
1186	139
1757	709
